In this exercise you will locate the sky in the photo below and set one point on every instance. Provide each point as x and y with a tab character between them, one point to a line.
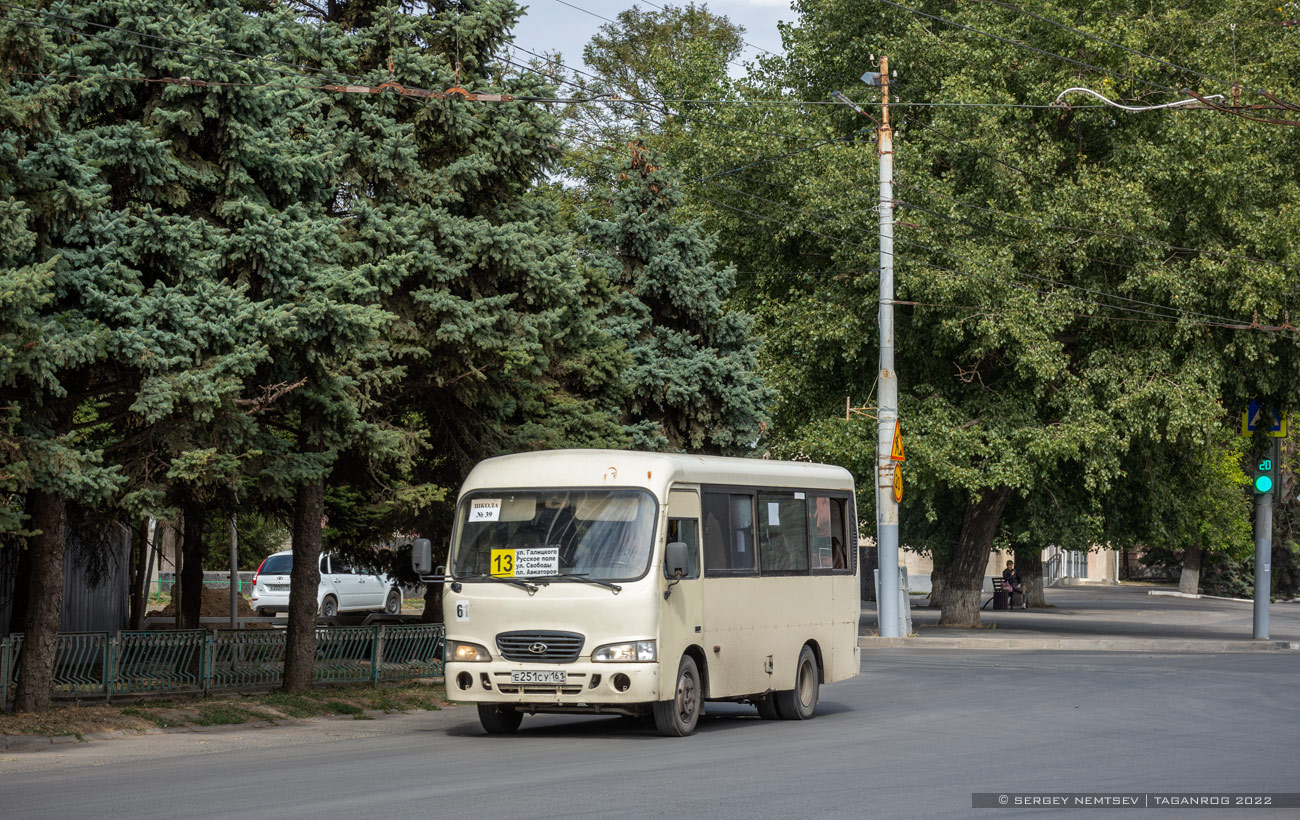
551	25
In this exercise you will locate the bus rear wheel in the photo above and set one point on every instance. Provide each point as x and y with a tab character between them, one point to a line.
800	702
679	716
499	720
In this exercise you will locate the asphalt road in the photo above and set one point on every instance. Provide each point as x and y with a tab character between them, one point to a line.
913	736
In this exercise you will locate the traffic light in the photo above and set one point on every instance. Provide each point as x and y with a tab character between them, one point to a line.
1265	474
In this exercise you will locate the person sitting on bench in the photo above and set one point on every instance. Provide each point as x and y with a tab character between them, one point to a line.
1011	580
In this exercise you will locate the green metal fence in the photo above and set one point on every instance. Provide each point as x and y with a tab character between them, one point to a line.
95	664
247	658
161	661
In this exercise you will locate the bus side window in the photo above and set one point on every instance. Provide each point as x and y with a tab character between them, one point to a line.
826	526
686	530
728	532
782	532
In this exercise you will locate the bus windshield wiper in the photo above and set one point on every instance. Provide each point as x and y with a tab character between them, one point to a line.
578	576
500	580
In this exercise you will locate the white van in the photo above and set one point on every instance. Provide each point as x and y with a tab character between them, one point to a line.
342	588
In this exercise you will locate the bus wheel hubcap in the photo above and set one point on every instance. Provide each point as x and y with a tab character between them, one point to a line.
686	697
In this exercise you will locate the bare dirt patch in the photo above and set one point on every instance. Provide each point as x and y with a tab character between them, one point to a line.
253	709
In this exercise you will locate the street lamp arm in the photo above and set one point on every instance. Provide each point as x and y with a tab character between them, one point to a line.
1060	101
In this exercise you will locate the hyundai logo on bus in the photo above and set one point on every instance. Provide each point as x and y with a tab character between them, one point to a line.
538	648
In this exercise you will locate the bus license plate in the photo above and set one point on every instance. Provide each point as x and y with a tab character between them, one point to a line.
537	676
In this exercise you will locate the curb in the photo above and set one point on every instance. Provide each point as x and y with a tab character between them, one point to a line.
1081	644
1168	593
16	743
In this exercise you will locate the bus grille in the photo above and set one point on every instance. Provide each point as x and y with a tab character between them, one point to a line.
541	647
538	689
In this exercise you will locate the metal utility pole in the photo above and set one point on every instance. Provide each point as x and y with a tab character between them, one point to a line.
888	473
1264	546
234	574
887	403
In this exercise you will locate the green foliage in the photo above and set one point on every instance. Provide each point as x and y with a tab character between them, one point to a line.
1211	507
491	339
693	374
675	52
1017	367
258	537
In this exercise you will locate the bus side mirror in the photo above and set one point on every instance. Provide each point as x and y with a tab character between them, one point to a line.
677	560
422	556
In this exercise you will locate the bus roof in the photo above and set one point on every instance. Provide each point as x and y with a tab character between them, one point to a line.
655	471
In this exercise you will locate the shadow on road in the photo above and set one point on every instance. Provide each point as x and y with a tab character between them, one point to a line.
718	717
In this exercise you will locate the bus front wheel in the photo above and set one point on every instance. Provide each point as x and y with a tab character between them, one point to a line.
499	720
678	717
800	702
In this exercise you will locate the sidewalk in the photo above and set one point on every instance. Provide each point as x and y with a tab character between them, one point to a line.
1109	618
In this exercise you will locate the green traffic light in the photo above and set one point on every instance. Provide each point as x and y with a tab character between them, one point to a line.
1263	483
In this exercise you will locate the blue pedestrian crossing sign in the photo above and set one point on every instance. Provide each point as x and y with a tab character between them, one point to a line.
1257	417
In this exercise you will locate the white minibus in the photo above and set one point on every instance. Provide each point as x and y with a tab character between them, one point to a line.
631	583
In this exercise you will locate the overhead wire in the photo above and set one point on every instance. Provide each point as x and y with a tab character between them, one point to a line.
1093	291
746	42
760	161
293	69
840	240
661	8
655	103
597	99
1091	231
777	157
162	49
1047	280
958	141
989	231
1063	295
1122	47
1170	312
1026	46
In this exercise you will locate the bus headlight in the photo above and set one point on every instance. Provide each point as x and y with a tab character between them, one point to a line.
468	652
629	651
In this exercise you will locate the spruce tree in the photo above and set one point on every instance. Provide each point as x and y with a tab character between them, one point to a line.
493	329
137	203
693	380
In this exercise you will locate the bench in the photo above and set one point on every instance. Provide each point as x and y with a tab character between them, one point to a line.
1002	597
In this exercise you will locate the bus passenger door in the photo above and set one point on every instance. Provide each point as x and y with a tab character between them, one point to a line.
680	621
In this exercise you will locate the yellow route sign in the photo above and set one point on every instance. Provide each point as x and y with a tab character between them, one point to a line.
896	452
898	483
503	563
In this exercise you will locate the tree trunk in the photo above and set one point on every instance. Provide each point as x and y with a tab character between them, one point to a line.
178	562
45	601
22	581
938	584
432	613
191	577
304	581
139	575
965	573
1190	579
1030	566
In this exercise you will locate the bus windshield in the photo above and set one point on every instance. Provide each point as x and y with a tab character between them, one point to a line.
594	534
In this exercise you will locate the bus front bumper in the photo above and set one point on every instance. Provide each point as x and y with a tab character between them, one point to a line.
586	687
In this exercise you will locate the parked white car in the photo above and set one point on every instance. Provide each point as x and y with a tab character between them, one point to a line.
342	589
